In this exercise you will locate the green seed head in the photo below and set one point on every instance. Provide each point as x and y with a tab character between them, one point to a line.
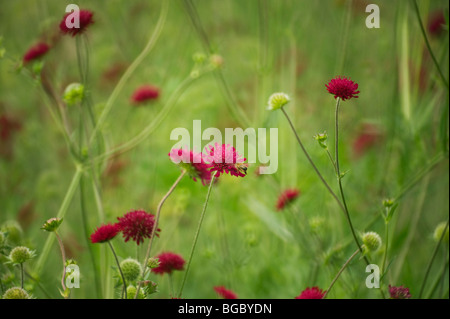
74	93
131	292
372	241
277	101
438	232
131	269
20	254
16	293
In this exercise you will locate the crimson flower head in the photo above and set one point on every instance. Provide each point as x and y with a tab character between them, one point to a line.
287	197
399	292
343	88
311	293
104	233
225	293
168	262
192	163
137	225
225	159
436	23
35	52
85	21
144	94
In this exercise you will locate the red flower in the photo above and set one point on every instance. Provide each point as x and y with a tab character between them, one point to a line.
137	225
399	292
193	163
287	197
343	88
35	52
436	23
85	21
104	233
225	158
168	262
225	293
144	93
311	293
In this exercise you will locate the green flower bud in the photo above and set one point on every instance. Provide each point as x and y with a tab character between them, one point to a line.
131	269
52	224
153	262
277	101
322	139
199	57
438	232
388	202
372	241
20	254
16	293
73	94
131	292
216	60
149	287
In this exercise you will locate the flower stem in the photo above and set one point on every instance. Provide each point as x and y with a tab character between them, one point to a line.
63	255
120	269
312	163
196	235
155	227
171	284
21	275
339	177
340	272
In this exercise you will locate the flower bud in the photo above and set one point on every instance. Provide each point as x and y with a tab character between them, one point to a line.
388	203
372	241
131	292
131	269
322	139
199	57
277	101
216	60
73	94
438	232
153	262
16	293
52	224
20	254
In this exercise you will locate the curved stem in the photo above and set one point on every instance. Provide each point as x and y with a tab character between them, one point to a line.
340	272
63	255
196	235
120	269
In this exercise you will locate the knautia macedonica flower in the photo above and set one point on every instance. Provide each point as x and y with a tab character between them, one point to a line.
225	159
343	88
16	293
144	94
225	293
35	52
168	262
131	269
287	197
399	292
85	21
137	225
311	293
52	224
21	254
277	101
192	163
372	241
105	233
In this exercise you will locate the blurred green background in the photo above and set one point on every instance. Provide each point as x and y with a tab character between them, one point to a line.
388	136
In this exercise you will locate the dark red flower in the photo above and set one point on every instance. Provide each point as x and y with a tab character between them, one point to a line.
399	292
343	88
311	293
105	233
225	159
286	197
168	262
225	293
144	93
192	163
35	52
137	225
436	23
85	21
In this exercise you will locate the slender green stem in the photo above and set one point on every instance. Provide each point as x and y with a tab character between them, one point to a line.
155	227
386	246
427	43
125	77
331	159
339	177
340	272
21	275
440	278
120	269
311	161
63	255
61	213
172	291
194	243
436	249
